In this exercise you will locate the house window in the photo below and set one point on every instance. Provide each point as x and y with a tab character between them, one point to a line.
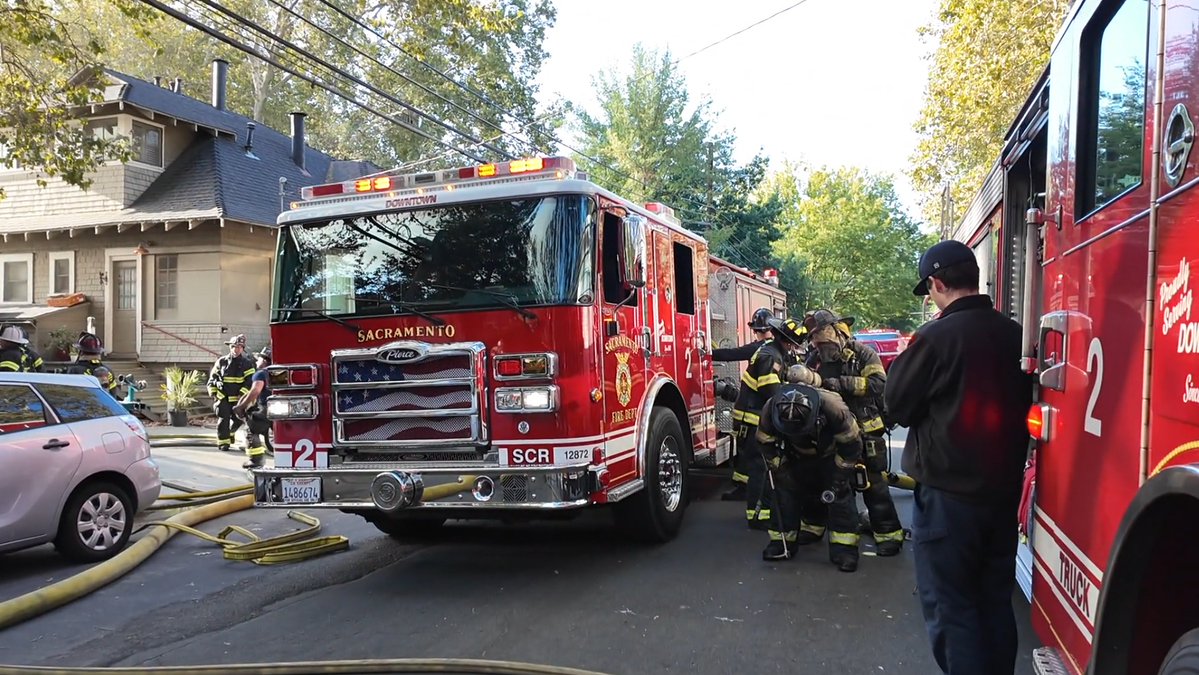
6	163
16	274
166	281
104	129
1112	147
147	144
62	273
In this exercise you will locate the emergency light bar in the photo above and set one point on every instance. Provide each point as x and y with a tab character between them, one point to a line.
559	167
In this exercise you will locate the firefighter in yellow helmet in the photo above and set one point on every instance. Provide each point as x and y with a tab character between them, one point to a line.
812	448
759	382
228	381
852	369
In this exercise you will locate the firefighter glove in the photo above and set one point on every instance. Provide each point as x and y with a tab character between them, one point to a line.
801	374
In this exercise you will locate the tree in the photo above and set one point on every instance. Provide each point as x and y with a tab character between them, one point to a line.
649	143
851	242
46	72
989	54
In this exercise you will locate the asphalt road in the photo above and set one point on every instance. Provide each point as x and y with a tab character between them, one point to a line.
568	594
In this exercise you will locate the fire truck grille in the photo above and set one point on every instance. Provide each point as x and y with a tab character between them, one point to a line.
515	488
429	401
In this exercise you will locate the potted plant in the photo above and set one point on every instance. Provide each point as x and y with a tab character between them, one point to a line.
59	342
179	392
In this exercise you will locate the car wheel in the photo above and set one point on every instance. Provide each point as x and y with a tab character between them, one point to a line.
96	522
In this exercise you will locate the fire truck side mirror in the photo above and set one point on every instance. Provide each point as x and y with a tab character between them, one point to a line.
632	251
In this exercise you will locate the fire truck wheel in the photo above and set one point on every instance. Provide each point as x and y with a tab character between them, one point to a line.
655	513
408	528
1184	655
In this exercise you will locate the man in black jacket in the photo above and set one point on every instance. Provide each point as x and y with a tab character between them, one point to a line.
959	389
745	352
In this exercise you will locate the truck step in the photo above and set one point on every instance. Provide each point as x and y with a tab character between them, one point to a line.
1045	661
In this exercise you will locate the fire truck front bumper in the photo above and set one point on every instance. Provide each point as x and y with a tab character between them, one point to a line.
395	489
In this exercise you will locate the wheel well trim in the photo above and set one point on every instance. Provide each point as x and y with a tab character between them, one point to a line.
1114	629
652	393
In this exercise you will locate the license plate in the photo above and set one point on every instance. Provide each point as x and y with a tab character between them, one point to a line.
301	490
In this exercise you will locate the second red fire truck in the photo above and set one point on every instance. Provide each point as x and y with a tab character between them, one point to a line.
1087	231
493	341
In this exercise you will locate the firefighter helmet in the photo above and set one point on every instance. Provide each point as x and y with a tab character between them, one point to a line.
265	353
89	343
236	341
14	334
814	321
793	407
787	329
760	318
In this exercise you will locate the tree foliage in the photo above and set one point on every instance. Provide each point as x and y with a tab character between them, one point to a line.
857	250
989	54
650	142
494	48
43	79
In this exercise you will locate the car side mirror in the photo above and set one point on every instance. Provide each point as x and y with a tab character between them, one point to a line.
632	251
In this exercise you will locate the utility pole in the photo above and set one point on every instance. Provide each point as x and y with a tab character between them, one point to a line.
711	187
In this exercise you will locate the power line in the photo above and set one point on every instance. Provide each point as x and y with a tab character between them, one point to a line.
180	16
405	77
349	76
750	26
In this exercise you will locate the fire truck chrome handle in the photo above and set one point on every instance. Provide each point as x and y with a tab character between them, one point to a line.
1053	370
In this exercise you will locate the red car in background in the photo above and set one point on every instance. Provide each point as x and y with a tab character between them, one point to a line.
888	343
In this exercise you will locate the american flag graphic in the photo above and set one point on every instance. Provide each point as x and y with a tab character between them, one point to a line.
409	428
398	400
371	371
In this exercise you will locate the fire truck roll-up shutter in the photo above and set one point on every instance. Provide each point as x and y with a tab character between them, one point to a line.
408	395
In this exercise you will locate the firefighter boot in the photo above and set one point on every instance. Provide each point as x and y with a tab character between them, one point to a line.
844	557
809	534
777	550
888	548
257	453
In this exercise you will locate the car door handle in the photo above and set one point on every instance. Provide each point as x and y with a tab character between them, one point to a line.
55	444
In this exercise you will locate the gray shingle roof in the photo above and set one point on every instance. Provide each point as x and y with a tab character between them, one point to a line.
216	175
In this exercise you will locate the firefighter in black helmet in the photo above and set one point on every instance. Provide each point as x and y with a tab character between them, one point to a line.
745	352
759	382
90	349
852	369
812	446
228	381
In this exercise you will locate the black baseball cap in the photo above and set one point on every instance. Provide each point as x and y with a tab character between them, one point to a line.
941	255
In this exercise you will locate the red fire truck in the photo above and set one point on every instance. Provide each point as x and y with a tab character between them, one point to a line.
1086	233
493	341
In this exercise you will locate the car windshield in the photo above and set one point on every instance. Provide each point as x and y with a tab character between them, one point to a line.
462	256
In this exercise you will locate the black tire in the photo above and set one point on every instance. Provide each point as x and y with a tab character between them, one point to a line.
1183	658
409	529
96	501
655	513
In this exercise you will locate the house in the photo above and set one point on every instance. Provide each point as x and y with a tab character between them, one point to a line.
167	255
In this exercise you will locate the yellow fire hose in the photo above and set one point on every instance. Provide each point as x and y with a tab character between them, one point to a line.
363	666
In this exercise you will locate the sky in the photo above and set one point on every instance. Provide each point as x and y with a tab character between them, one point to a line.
829	82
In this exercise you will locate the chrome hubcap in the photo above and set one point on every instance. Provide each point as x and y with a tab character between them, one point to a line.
670	474
101	521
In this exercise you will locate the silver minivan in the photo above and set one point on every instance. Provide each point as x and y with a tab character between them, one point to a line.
75	467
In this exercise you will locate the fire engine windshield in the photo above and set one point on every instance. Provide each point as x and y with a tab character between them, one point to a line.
462	256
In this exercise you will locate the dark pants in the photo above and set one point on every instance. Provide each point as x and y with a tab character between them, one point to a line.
801	481
884	520
227	425
966	573
758	495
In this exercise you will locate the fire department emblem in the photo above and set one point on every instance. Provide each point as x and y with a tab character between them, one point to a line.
624	379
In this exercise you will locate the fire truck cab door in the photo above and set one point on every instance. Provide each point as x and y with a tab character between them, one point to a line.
626	310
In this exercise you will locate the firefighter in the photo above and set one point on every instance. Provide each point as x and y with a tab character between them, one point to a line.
758	383
29	361
812	447
757	324
12	354
228	381
251	407
847	367
88	362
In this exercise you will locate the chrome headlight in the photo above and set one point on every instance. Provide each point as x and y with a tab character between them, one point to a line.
291	407
526	399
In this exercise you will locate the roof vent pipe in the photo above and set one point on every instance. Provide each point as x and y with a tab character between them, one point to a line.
297	138
220	75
